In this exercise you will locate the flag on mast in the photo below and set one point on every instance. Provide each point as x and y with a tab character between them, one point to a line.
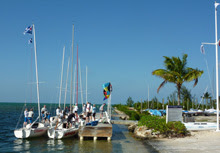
28	30
30	41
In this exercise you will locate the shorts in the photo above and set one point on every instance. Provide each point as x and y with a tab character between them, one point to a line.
25	119
88	114
48	117
93	115
101	111
69	121
30	119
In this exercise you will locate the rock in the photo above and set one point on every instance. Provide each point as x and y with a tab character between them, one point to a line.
132	127
124	117
143	132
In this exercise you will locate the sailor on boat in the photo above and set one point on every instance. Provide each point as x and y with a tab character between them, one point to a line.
93	112
30	115
58	111
90	112
75	110
87	112
44	109
25	117
84	110
69	119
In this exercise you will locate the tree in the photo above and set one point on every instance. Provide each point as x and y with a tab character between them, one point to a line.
172	98
176	72
185	94
206	96
130	102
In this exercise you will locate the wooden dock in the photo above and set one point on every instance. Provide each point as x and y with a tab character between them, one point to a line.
98	131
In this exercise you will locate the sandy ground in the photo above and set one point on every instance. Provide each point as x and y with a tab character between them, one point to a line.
199	141
202	141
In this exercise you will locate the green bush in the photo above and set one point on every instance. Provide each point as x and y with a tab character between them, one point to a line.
158	124
132	114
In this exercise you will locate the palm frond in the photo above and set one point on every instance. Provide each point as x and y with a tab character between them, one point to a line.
196	81
161	85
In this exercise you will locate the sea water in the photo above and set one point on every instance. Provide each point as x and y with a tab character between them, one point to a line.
10	113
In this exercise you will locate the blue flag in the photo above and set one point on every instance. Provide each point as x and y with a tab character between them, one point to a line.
30	41
28	30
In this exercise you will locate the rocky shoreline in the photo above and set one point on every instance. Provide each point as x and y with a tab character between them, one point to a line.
140	132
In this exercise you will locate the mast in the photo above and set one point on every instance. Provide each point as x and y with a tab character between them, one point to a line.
66	82
80	77
71	86
77	79
37	81
86	83
61	80
74	86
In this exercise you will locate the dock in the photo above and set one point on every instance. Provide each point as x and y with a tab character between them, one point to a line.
99	131
124	122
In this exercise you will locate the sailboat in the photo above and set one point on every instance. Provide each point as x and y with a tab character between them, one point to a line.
35	129
61	130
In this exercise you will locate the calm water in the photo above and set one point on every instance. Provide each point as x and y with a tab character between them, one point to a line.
122	140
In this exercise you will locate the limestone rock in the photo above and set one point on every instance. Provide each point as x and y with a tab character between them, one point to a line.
143	132
132	127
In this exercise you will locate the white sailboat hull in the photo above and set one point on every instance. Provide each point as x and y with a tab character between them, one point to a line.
62	133
24	133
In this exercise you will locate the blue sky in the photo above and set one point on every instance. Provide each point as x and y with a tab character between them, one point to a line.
120	41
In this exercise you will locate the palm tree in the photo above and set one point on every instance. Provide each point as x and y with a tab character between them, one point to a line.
177	72
206	96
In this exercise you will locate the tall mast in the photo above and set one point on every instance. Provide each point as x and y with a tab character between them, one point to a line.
66	81
77	79
86	84
80	79
74	86
37	81
71	86
61	80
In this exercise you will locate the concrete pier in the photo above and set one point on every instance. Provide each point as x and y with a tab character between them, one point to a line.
124	122
100	130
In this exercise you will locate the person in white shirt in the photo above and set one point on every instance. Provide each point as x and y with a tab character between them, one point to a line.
87	111
84	109
90	112
101	110
30	115
44	109
93	112
76	111
25	117
58	111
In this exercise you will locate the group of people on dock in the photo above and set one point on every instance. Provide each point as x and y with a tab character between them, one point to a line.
88	111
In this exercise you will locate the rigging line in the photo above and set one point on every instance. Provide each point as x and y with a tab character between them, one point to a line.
202	97
209	77
74	87
20	115
31	74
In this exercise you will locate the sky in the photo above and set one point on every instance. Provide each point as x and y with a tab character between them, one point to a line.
120	41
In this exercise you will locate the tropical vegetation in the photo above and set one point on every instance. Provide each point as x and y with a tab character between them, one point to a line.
177	72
